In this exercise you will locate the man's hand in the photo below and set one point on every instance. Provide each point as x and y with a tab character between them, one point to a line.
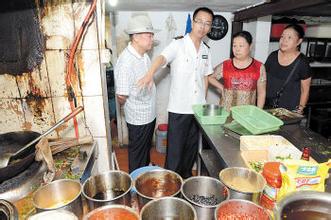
121	99
146	81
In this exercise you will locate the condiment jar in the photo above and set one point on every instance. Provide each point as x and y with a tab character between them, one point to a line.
273	177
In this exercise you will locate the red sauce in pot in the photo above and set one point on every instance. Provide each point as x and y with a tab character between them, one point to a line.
113	214
237	211
156	188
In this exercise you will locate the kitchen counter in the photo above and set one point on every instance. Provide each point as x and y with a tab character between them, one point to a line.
224	150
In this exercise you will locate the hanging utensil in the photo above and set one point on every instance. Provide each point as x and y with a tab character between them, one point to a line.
5	159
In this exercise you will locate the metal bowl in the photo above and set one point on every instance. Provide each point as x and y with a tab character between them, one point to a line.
111	212
157	184
108	188
211	110
204	193
243	183
63	194
241	209
304	205
168	208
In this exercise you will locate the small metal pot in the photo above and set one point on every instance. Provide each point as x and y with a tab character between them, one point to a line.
63	194
243	183
304	206
8	210
201	190
111	212
168	208
108	188
211	110
241	209
157	184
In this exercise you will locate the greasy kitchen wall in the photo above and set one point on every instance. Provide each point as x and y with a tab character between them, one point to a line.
170	24
38	99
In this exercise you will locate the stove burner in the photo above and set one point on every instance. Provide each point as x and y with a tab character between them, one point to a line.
21	185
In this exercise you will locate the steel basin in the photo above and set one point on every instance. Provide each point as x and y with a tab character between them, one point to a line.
63	194
307	205
168	208
108	188
243	183
204	193
156	184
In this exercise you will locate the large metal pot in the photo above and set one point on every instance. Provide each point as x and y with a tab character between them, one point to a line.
204	193
63	194
112	212
241	209
54	214
304	205
168	208
7	210
243	183
108	188
157	184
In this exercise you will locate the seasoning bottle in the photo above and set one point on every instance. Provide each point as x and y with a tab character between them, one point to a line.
305	153
273	177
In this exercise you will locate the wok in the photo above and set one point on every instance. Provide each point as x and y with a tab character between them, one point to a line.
12	142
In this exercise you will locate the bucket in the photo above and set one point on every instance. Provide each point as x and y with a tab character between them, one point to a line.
161	138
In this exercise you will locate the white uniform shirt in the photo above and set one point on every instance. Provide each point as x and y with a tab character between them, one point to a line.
139	108
187	72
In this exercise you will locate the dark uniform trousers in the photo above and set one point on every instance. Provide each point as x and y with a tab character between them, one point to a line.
182	143
140	143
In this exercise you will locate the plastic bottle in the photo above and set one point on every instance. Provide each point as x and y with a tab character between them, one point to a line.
273	177
305	153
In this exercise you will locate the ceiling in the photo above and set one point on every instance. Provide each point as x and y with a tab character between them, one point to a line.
183	5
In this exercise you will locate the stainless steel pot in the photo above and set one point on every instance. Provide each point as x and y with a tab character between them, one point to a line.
54	214
108	188
168	208
157	184
63	194
211	110
204	193
7	210
112	212
243	183
304	205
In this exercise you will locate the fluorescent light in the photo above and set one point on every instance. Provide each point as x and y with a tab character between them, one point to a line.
113	3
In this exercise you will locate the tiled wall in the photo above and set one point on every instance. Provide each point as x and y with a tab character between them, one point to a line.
37	100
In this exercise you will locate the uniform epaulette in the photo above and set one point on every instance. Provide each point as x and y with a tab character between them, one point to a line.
206	44
178	37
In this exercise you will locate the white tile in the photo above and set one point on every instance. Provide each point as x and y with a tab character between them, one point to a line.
90	72
12	116
62	109
263	26
95	117
261	51
103	162
8	86
58	25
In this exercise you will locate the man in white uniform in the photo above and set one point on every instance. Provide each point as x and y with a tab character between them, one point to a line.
190	62
139	104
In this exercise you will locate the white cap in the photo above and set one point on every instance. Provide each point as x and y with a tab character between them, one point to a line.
140	24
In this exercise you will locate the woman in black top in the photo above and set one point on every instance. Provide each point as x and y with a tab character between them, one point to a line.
280	63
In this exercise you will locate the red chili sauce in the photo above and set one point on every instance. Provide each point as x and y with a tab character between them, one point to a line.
156	187
113	214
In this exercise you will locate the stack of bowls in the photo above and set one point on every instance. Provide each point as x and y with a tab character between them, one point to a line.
108	188
204	193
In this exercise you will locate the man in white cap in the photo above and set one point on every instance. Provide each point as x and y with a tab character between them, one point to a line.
139	104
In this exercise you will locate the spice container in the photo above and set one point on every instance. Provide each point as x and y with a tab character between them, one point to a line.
273	177
305	153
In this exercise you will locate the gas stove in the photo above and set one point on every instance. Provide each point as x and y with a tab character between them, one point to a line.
21	185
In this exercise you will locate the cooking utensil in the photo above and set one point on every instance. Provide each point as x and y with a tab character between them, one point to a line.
112	212
63	194
12	142
241	209
156	184
168	208
6	158
108	188
204	194
243	183
307	205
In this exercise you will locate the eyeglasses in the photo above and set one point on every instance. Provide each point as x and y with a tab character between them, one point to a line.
203	23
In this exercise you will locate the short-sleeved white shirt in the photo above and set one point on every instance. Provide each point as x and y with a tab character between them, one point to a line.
188	69
139	108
